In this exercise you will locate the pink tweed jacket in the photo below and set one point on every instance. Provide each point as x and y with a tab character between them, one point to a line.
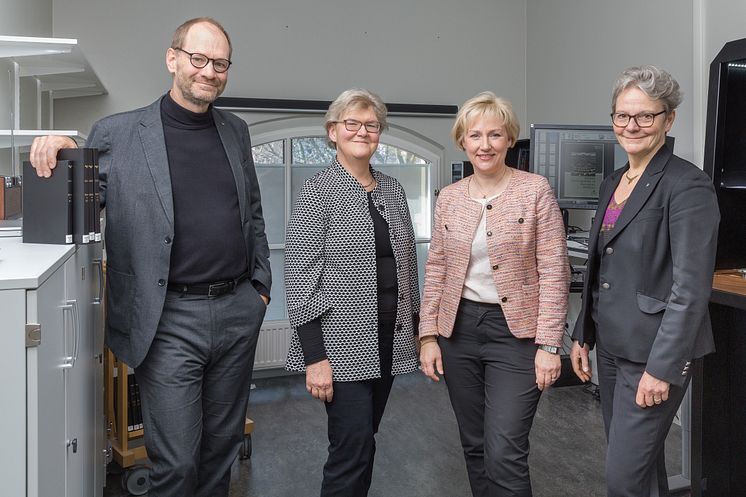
527	251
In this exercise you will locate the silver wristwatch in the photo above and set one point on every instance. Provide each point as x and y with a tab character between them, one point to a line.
550	348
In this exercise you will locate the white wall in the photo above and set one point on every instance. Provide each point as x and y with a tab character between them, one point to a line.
716	23
26	18
576	48
419	51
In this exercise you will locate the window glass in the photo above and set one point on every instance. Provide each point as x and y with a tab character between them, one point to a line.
308	150
270	171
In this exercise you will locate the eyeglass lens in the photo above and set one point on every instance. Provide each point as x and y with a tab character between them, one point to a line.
353	125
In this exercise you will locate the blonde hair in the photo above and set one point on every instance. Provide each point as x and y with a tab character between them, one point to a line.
485	104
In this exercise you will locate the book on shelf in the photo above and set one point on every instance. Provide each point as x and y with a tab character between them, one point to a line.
47	205
10	197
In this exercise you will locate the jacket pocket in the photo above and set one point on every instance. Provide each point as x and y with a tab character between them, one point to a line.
650	214
650	305
120	299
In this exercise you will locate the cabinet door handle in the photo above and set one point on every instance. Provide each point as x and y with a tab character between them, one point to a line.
100	264
72	306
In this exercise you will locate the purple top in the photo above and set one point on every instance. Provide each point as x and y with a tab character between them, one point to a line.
613	210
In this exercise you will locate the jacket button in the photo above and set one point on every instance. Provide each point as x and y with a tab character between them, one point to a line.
495	267
489	207
609	250
520	220
161	282
489	233
605	286
167	240
504	299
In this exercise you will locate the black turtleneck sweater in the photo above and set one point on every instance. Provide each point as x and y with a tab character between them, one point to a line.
208	243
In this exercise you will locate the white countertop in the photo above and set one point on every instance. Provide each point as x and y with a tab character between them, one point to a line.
28	265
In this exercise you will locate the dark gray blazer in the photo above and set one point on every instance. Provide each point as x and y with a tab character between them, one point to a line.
654	274
136	191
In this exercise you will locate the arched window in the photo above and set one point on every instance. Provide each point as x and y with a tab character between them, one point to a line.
288	151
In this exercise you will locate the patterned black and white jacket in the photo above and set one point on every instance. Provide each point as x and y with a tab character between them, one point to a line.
330	272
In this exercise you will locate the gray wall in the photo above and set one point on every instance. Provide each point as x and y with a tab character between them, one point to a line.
26	18
419	51
576	48
556	61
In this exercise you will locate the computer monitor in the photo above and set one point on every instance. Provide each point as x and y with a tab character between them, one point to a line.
518	155
575	159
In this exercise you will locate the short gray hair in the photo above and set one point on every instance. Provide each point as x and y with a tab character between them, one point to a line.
354	98
653	81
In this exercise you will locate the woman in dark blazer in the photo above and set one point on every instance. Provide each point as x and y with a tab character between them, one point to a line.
645	300
352	289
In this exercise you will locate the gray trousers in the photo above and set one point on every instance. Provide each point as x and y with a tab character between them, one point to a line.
635	457
194	388
492	385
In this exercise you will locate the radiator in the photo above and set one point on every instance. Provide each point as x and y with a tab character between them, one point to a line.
272	347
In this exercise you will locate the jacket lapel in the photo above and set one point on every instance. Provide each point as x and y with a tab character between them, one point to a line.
232	150
154	147
644	188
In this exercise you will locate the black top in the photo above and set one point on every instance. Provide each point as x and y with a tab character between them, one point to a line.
310	333
208	244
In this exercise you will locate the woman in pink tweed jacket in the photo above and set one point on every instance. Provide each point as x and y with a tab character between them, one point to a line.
495	298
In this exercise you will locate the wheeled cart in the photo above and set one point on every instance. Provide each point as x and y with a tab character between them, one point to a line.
127	446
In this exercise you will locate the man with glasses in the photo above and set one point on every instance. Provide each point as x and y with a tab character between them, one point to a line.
188	274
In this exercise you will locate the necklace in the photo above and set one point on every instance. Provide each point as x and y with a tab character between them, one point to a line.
630	180
372	181
479	188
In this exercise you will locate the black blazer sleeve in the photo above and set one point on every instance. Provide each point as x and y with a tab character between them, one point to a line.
693	225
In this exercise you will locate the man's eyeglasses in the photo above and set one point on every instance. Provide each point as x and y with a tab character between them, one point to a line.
643	120
353	125
199	61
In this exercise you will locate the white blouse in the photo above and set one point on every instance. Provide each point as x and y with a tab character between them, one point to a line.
479	285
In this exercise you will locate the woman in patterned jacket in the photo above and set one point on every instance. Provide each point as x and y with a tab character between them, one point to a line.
495	299
352	289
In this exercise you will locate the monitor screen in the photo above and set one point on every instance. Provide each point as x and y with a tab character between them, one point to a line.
575	159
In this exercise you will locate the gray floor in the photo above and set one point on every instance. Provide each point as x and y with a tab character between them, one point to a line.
418	450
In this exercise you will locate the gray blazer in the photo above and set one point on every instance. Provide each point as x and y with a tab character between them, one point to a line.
653	270
136	191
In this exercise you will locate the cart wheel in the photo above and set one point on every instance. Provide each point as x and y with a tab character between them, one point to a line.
136	480
246	447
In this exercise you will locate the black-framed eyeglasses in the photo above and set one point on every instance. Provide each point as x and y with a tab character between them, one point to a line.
643	119
199	61
354	125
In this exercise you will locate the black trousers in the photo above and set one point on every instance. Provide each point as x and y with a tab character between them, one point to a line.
194	386
635	456
492	385
354	415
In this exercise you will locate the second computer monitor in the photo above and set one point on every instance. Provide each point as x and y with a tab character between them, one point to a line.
575	159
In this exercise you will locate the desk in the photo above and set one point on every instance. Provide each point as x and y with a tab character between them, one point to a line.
719	396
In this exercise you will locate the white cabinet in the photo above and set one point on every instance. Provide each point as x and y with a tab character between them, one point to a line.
52	435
